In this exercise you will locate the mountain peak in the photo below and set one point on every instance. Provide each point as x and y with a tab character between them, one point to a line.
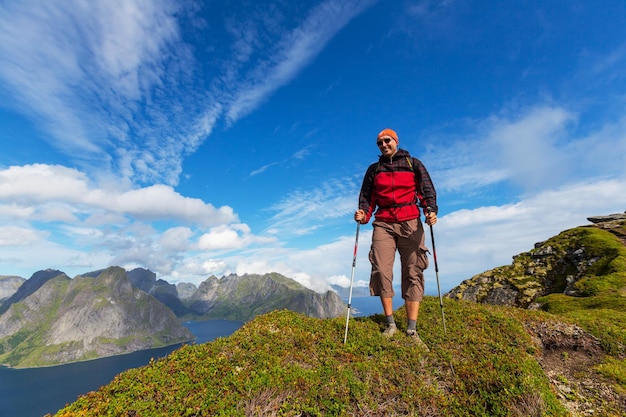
85	318
30	286
244	297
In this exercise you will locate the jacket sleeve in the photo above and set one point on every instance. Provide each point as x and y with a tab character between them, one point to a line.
367	201
426	193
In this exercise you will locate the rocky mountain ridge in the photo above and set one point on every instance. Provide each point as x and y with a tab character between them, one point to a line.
244	297
67	320
564	264
29	286
52	318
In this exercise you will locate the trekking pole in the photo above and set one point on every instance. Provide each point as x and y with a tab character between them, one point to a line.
443	317
356	244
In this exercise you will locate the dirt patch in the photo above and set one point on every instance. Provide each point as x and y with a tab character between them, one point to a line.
569	356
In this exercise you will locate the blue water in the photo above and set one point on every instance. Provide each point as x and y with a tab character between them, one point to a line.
366	306
39	391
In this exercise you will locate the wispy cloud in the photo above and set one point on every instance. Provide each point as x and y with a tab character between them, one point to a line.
263	169
116	86
302	211
294	50
294	159
535	149
86	71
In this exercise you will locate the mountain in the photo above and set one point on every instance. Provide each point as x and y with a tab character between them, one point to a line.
36	281
9	284
67	320
53	319
185	290
344	293
578	262
160	289
244	297
565	356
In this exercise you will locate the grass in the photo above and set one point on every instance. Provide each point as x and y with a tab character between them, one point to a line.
615	369
601	307
286	364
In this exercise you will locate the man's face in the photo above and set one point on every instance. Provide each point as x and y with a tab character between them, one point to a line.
387	146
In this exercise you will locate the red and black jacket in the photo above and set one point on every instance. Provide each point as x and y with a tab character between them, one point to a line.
395	186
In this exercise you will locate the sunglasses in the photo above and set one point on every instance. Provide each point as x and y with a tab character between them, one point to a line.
380	142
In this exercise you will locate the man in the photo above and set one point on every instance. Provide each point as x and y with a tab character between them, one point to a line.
394	186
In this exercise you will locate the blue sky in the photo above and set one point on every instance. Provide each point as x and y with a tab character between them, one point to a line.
217	137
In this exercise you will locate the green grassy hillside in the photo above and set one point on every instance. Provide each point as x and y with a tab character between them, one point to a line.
285	364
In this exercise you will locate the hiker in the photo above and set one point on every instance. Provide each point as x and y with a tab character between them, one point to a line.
394	186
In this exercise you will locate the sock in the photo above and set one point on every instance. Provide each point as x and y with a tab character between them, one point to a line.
390	320
411	325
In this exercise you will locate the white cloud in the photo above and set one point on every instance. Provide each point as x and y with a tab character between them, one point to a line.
15	211
344	281
535	149
297	156
25	256
528	147
19	236
254	267
221	238
58	193
78	226
39	183
263	169
196	269
176	239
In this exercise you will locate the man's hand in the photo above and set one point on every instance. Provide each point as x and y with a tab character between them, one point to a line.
431	218
359	216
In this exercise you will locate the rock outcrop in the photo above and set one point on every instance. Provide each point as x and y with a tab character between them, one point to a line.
558	265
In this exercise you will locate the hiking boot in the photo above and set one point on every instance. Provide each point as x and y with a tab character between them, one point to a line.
390	330
412	334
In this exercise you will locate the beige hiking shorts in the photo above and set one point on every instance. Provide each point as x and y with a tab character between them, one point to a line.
408	239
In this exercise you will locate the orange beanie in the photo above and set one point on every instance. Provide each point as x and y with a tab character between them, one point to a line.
388	133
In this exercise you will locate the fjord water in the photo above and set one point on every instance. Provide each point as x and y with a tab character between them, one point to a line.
38	391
